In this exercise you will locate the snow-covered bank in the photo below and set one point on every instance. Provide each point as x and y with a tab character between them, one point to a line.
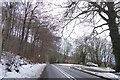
96	69
2	71
27	71
100	74
14	66
66	64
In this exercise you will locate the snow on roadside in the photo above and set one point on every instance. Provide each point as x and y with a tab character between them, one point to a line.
65	64
102	74
2	71
106	75
27	71
102	69
36	69
108	69
15	66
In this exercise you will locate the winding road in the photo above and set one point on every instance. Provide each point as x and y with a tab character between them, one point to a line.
65	72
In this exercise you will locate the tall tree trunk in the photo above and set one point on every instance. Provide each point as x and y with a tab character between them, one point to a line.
0	42
23	30
114	34
27	33
6	28
0	31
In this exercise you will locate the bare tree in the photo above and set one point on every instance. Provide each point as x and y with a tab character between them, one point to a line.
0	43
93	49
0	33
84	51
107	11
26	31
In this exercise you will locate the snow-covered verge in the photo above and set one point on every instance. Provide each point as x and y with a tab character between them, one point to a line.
66	64
14	66
96	69
101	72
27	71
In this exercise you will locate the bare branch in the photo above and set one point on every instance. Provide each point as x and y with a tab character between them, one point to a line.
101	25
117	16
99	7
98	21
102	31
118	10
72	28
103	17
75	18
117	3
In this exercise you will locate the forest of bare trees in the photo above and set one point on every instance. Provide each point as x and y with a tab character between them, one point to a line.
26	32
93	12
95	50
30	31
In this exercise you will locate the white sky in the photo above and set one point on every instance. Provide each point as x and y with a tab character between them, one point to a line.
56	11
79	30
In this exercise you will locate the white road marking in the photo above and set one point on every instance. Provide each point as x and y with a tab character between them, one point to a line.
64	73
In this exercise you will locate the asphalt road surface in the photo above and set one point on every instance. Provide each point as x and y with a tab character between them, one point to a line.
54	71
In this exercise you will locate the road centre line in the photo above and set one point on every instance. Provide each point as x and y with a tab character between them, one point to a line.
65	73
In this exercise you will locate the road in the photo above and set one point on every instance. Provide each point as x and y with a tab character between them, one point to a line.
64	72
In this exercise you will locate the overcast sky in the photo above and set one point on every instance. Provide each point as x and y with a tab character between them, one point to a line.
55	9
79	30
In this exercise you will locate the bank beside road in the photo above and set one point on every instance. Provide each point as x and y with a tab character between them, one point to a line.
15	66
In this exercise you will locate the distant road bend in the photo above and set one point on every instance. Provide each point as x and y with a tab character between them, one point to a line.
64	72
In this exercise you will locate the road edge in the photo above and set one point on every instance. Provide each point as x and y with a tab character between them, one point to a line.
43	71
94	74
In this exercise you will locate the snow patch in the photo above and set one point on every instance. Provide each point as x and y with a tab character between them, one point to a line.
2	71
107	75
27	71
15	66
65	64
104	72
